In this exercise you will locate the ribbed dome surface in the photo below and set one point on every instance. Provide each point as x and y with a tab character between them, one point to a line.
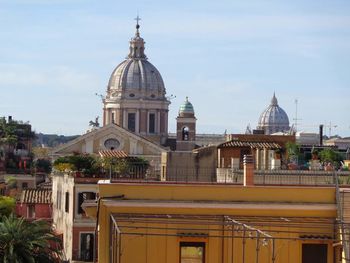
274	118
137	76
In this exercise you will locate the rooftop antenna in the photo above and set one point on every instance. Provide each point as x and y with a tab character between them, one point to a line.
248	129
296	116
330	126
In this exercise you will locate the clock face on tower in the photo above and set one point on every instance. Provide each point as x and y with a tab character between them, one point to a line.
112	144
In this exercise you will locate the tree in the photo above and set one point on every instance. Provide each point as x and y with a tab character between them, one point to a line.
331	156
41	152
79	162
7	206
8	135
43	165
11	182
23	241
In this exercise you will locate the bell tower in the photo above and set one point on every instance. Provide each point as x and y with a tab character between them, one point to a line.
186	127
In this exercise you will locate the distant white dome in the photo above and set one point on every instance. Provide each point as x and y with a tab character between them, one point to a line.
274	118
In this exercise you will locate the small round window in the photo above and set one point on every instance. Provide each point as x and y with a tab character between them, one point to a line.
153	96
132	95
111	144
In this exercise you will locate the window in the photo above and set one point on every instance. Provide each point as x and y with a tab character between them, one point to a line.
112	117
152	123
314	253
185	133
59	199
82	197
31	211
112	144
131	121
86	246
192	252
24	185
67	202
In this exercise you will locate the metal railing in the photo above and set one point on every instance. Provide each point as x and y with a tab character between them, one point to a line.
183	174
285	177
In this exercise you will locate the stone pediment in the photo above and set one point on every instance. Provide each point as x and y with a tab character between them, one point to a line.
109	137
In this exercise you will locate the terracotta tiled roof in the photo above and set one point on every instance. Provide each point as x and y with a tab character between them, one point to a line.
36	196
254	145
113	153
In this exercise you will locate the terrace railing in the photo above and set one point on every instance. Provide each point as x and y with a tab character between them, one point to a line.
285	177
182	174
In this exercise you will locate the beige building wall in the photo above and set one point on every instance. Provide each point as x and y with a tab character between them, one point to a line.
69	222
198	165
62	204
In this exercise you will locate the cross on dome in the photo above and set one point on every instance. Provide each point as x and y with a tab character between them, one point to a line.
137	25
137	20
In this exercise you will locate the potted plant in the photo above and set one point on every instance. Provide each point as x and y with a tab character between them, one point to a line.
314	154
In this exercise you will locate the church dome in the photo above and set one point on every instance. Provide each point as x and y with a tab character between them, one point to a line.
274	118
136	77
186	108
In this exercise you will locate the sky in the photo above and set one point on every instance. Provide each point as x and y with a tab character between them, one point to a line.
227	56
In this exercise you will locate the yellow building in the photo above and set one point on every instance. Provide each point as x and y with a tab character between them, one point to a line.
196	223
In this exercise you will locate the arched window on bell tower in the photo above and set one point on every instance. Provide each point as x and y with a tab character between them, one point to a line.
185	133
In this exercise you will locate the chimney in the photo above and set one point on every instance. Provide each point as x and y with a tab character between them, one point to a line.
321	134
248	170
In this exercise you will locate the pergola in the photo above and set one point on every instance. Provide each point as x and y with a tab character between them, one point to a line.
265	231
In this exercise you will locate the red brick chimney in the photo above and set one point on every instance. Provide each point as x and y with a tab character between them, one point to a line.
248	170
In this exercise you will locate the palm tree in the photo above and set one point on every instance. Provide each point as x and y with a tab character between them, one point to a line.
8	132
23	241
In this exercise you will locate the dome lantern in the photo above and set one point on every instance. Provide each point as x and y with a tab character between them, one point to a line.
137	44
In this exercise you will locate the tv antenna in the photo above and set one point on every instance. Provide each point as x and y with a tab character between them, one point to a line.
296	115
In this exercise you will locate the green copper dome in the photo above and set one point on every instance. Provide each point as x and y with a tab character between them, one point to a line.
186	107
